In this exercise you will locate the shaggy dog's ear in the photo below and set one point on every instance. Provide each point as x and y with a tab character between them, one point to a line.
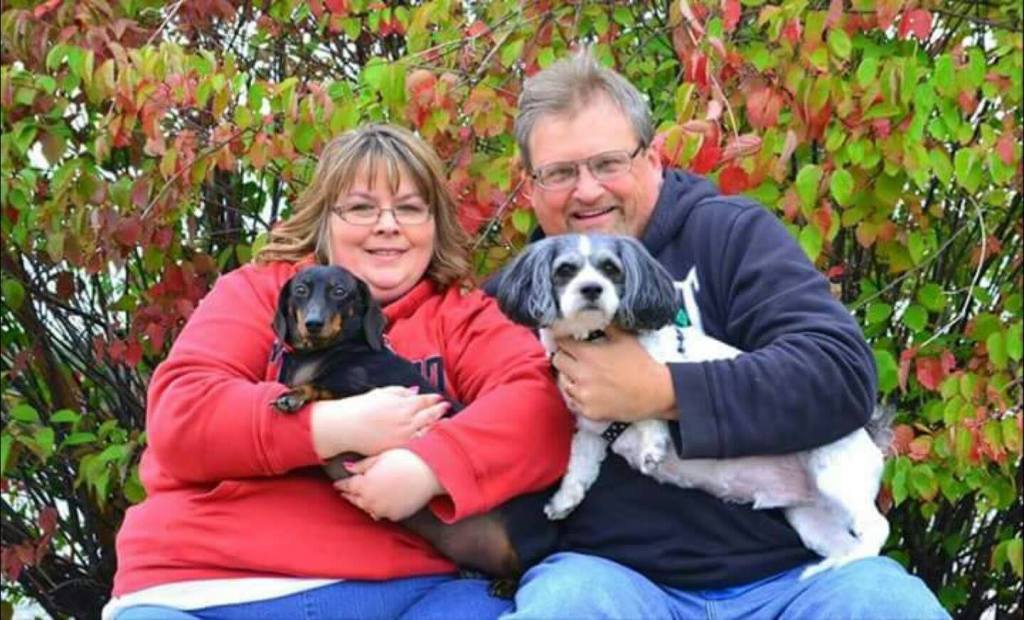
282	320
650	299
525	292
373	317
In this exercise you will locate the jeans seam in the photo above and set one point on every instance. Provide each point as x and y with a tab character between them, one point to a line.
711	609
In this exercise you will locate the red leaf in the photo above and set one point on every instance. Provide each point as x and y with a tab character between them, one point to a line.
1004	147
697	70
917	22
763	107
836	272
742	146
133	353
337	7
128	231
48	519
930	372
10	563
902	435
823	218
968	102
730	14
792	31
920	448
835	12
156	335
476	29
706	159
41	10
116	351
733	180
140	193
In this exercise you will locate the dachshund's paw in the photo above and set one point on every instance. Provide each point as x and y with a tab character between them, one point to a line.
289	402
564	501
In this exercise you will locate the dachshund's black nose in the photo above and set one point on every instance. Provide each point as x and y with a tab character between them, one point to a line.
314	325
591	292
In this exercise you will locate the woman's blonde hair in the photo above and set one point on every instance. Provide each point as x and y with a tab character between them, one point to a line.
367	149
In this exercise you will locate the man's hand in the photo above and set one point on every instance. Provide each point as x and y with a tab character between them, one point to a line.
392	485
614	379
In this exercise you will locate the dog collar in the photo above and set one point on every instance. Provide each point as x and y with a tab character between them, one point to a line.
613	431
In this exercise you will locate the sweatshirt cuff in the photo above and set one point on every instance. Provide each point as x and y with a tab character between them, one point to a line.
454	471
696	435
286	437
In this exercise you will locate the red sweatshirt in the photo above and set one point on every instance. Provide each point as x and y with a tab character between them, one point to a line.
230	488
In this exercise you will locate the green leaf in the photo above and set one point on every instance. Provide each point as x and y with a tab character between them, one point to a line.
1015	341
64	416
932	296
44	440
867	71
922	479
839	43
5	451
522	221
511	52
888	371
968	169
878	312
75	439
304	137
996	345
1015	554
944	76
841	185
23	412
916	246
810	240
915	317
807	181
901	470
13	292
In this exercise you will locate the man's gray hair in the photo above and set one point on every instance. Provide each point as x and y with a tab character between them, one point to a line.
568	85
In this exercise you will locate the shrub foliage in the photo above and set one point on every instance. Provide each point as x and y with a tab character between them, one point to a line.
148	145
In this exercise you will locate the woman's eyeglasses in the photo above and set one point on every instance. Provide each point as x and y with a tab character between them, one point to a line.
606	166
368	215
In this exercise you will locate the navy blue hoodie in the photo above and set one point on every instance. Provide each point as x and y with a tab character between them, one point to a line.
807	380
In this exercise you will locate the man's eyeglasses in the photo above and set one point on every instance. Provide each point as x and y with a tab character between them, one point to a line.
368	215
606	166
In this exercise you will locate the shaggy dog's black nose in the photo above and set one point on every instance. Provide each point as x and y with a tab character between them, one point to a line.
591	292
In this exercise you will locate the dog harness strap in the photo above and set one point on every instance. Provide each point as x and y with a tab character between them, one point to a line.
613	431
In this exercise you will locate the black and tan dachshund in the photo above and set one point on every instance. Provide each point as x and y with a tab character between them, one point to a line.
334	332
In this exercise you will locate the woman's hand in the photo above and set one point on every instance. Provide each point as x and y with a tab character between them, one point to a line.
373	422
392	485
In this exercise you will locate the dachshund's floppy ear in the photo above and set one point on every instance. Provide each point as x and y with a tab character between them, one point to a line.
650	299
373	317
525	292
281	321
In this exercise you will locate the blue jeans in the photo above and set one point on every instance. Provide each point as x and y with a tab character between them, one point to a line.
437	597
573	585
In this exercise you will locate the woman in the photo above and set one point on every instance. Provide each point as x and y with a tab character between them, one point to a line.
239	521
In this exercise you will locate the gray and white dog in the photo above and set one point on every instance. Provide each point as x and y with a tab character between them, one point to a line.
575	286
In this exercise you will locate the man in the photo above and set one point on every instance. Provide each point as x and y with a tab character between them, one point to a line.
640	549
